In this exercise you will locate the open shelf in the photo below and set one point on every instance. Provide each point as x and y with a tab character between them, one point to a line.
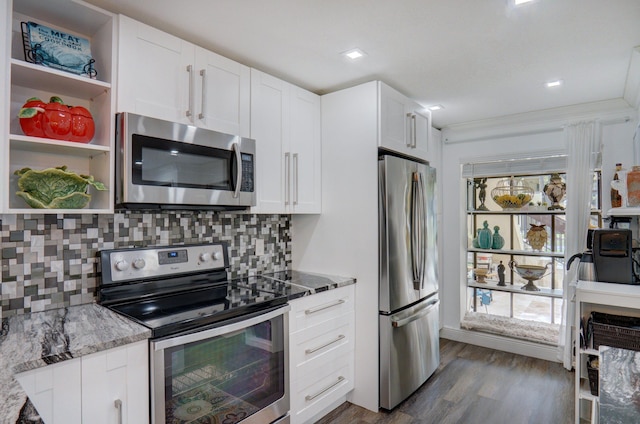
40	77
518	252
515	288
46	145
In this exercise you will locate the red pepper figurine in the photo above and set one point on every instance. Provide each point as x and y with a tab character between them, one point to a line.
56	119
82	126
31	117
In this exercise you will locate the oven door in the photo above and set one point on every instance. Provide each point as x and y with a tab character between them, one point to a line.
170	164
234	373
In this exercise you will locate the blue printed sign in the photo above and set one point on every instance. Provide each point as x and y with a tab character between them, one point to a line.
59	50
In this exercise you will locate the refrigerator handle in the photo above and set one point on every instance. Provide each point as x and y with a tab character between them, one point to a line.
404	321
414	230
423	231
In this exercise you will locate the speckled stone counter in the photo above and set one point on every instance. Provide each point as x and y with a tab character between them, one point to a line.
298	283
35	340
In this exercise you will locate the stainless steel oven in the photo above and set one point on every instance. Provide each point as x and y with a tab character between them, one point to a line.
235	373
219	348
167	165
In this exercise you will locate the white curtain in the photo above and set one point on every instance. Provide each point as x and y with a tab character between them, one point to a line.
583	149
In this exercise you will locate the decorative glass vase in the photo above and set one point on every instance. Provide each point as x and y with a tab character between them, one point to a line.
498	240
555	190
474	242
485	238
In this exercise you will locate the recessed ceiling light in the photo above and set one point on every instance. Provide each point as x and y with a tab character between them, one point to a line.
519	2
551	84
435	107
354	54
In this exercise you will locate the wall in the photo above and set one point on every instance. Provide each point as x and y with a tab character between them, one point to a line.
617	147
49	261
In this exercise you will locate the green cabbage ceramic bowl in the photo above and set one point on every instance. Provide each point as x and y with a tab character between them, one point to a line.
55	188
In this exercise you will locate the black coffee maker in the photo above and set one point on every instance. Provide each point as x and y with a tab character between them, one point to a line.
613	255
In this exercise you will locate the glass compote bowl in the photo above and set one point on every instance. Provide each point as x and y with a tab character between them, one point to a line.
510	194
530	273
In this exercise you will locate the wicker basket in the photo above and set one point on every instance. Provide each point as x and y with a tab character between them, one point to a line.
615	331
593	377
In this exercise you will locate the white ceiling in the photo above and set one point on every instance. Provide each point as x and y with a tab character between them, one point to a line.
480	59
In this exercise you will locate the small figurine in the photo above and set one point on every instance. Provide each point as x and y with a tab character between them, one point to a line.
481	183
501	275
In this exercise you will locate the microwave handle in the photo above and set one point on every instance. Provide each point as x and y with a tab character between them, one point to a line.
236	151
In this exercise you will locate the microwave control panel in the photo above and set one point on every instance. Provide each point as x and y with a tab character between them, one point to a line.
247	173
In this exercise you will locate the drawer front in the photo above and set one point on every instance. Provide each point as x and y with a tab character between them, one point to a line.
322	342
320	388
312	310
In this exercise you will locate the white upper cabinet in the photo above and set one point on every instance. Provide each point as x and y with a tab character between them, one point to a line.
285	122
404	125
152	72
223	93
305	147
162	76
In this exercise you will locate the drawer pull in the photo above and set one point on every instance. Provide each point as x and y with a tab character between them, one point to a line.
315	349
323	307
326	389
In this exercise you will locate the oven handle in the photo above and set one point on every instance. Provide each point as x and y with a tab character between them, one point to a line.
218	331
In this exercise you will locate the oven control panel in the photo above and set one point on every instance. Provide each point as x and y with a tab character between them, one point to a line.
141	263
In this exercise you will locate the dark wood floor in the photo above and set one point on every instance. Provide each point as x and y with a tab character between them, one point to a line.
479	385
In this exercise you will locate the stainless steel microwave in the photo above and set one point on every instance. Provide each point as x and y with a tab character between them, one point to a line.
166	165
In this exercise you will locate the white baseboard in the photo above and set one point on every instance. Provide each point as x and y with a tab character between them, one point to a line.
506	344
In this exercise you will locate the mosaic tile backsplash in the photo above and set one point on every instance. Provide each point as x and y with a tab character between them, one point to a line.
50	261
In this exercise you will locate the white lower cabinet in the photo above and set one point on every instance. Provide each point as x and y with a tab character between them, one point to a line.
115	385
55	391
321	352
110	387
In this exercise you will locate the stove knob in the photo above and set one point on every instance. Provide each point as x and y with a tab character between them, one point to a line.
204	257
122	265
216	256
139	263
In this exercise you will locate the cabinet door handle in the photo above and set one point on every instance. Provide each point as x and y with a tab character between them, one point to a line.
295	179
414	127
409	139
326	389
118	404
323	307
329	343
190	110
203	74
287	178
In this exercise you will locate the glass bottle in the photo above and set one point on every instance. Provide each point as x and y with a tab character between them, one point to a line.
616	198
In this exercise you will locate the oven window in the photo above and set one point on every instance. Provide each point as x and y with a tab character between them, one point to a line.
227	378
168	163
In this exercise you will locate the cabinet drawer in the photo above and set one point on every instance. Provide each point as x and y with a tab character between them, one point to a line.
320	389
312	310
317	343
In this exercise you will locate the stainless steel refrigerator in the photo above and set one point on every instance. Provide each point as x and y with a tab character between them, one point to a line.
408	283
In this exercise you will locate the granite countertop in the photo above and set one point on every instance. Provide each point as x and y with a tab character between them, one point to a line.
38	339
298	283
41	338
